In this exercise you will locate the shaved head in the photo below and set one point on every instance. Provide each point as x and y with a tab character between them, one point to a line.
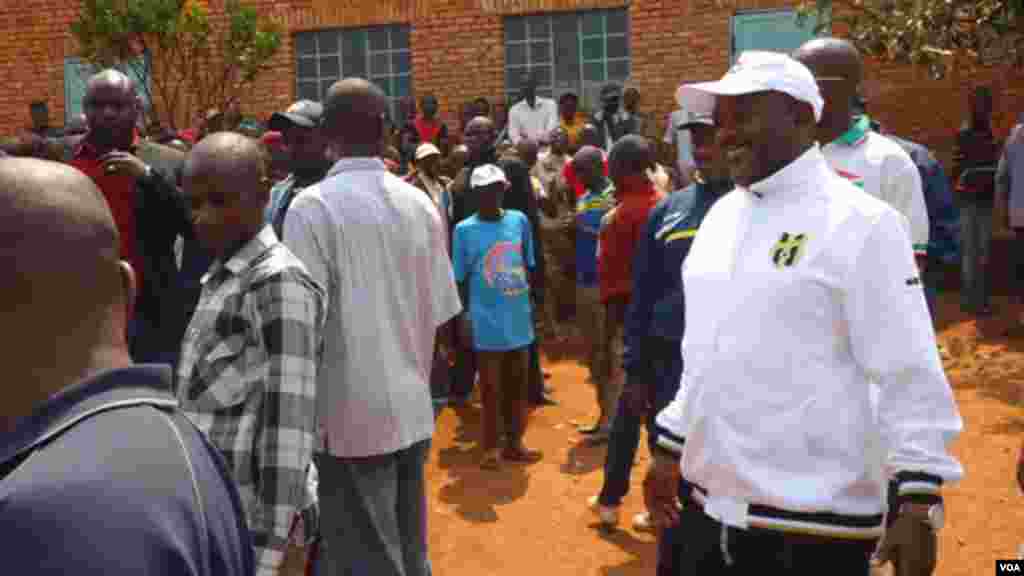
589	135
225	179
112	109
838	68
355	113
631	155
72	294
833	57
479	136
110	78
588	154
588	162
231	157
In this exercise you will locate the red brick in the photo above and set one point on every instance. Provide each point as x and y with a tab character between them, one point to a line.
458	56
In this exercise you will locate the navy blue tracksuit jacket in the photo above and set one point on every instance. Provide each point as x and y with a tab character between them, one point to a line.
656	317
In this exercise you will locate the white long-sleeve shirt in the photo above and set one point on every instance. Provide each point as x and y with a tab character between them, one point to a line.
534	122
884	170
799	291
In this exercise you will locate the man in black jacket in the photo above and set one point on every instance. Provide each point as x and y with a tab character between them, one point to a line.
148	209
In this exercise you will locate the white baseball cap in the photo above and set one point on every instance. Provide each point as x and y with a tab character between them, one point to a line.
425	150
486	175
755	71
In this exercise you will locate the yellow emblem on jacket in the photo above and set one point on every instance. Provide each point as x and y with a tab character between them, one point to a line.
788	250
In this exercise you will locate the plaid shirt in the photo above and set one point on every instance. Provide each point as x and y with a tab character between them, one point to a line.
247	378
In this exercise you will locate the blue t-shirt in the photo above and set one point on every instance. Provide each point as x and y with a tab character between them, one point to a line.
493	258
590	209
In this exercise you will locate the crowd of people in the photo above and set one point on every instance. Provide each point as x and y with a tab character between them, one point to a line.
251	347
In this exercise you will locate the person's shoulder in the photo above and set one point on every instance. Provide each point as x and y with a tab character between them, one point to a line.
517	216
609	218
682	198
130	475
128	447
283	266
847	200
883	149
467	225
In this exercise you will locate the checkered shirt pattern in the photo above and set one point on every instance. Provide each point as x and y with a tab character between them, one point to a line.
247	379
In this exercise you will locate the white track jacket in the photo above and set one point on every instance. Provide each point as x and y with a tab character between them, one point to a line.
881	168
799	291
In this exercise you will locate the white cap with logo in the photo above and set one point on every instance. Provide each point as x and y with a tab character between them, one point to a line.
755	71
486	175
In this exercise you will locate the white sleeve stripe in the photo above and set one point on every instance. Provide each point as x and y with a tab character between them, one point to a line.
669	444
917	487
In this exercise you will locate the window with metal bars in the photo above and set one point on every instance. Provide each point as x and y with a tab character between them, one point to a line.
567	51
379	53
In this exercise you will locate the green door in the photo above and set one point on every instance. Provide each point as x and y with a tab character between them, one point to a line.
774	30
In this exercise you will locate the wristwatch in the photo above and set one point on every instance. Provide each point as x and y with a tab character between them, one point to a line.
931	514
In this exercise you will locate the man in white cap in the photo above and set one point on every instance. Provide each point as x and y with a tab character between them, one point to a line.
495	267
427	177
799	289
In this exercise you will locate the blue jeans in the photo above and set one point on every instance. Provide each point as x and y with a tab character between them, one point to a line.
976	240
666	369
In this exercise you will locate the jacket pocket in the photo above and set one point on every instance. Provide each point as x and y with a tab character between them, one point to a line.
221	374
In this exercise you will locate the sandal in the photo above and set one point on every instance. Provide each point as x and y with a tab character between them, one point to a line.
491	460
521	454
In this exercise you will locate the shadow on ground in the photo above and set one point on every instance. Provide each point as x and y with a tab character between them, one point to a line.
985	354
583	458
643	553
475	493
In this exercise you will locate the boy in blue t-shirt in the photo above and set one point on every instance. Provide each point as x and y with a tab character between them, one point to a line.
598	199
493	258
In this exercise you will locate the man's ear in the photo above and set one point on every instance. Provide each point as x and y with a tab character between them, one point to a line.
129	287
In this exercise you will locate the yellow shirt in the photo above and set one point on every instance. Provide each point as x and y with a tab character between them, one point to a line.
573	129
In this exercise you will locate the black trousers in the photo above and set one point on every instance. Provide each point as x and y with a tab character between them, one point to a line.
698	548
535	377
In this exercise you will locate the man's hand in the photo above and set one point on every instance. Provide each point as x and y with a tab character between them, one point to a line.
910	545
123	163
661	490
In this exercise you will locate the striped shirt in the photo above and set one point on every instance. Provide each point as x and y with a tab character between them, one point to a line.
247	378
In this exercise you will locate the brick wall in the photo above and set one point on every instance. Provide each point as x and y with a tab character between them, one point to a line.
457	54
34	39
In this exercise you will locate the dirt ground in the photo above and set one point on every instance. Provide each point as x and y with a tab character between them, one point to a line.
532	519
